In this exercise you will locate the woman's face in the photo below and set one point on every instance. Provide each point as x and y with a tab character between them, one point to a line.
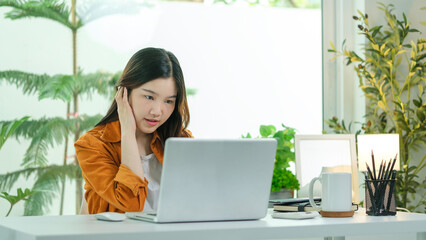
153	103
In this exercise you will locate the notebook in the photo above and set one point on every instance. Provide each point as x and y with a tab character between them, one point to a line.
214	180
299	205
294	205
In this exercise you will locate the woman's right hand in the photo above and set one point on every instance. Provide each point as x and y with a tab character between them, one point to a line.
125	112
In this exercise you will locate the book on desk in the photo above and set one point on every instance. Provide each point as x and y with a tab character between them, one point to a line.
298	205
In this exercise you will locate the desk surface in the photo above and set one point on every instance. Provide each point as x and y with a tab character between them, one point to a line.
87	227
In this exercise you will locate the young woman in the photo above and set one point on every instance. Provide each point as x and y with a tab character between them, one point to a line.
121	158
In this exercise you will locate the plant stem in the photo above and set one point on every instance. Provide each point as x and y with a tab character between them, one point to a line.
78	180
10	209
79	192
405	163
74	37
61	209
421	165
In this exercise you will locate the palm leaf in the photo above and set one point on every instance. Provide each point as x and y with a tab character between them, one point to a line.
48	132
64	87
88	122
6	130
38	204
47	186
36	154
100	82
31	128
9	179
58	87
54	10
44	133
52	132
29	82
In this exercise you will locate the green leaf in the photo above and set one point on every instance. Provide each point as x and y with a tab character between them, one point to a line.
279	136
420	115
191	91
368	89
21	195
282	178
59	87
28	82
44	133
375	30
50	9
360	13
99	82
247	136
64	87
417	103
332	46
267	130
6	130
46	187
343	44
381	104
413	30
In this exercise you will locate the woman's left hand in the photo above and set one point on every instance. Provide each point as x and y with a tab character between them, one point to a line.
125	112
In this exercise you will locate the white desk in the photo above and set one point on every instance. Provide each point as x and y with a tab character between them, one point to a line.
84	227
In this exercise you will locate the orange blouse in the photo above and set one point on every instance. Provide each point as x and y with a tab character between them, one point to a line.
111	186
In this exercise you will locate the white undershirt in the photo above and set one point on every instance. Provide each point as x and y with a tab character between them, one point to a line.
152	171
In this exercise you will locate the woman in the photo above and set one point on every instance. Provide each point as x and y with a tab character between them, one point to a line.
121	158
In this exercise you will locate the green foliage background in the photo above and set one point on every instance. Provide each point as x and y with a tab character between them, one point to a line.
395	95
282	176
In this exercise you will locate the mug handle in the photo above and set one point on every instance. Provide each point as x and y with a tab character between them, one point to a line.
311	193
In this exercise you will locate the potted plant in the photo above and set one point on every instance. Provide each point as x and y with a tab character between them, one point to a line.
392	76
283	180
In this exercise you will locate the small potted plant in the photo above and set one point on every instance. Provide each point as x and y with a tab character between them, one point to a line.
284	182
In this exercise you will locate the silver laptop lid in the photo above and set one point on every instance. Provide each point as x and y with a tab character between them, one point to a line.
213	180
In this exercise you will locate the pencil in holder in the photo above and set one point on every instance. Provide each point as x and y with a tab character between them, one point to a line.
380	199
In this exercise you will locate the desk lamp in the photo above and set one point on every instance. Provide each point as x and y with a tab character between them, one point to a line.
384	146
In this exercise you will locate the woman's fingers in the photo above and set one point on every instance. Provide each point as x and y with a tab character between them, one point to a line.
124	110
125	98
119	93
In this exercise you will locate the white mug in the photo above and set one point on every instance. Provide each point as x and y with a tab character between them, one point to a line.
336	192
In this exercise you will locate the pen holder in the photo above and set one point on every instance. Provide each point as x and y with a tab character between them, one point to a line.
380	199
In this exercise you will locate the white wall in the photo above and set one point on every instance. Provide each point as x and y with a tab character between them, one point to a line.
251	66
342	96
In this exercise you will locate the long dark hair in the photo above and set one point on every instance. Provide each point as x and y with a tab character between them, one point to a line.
144	66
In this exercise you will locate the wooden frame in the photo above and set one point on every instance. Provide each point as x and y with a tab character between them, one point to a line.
313	152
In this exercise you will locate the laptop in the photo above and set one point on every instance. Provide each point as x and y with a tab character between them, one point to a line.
213	180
